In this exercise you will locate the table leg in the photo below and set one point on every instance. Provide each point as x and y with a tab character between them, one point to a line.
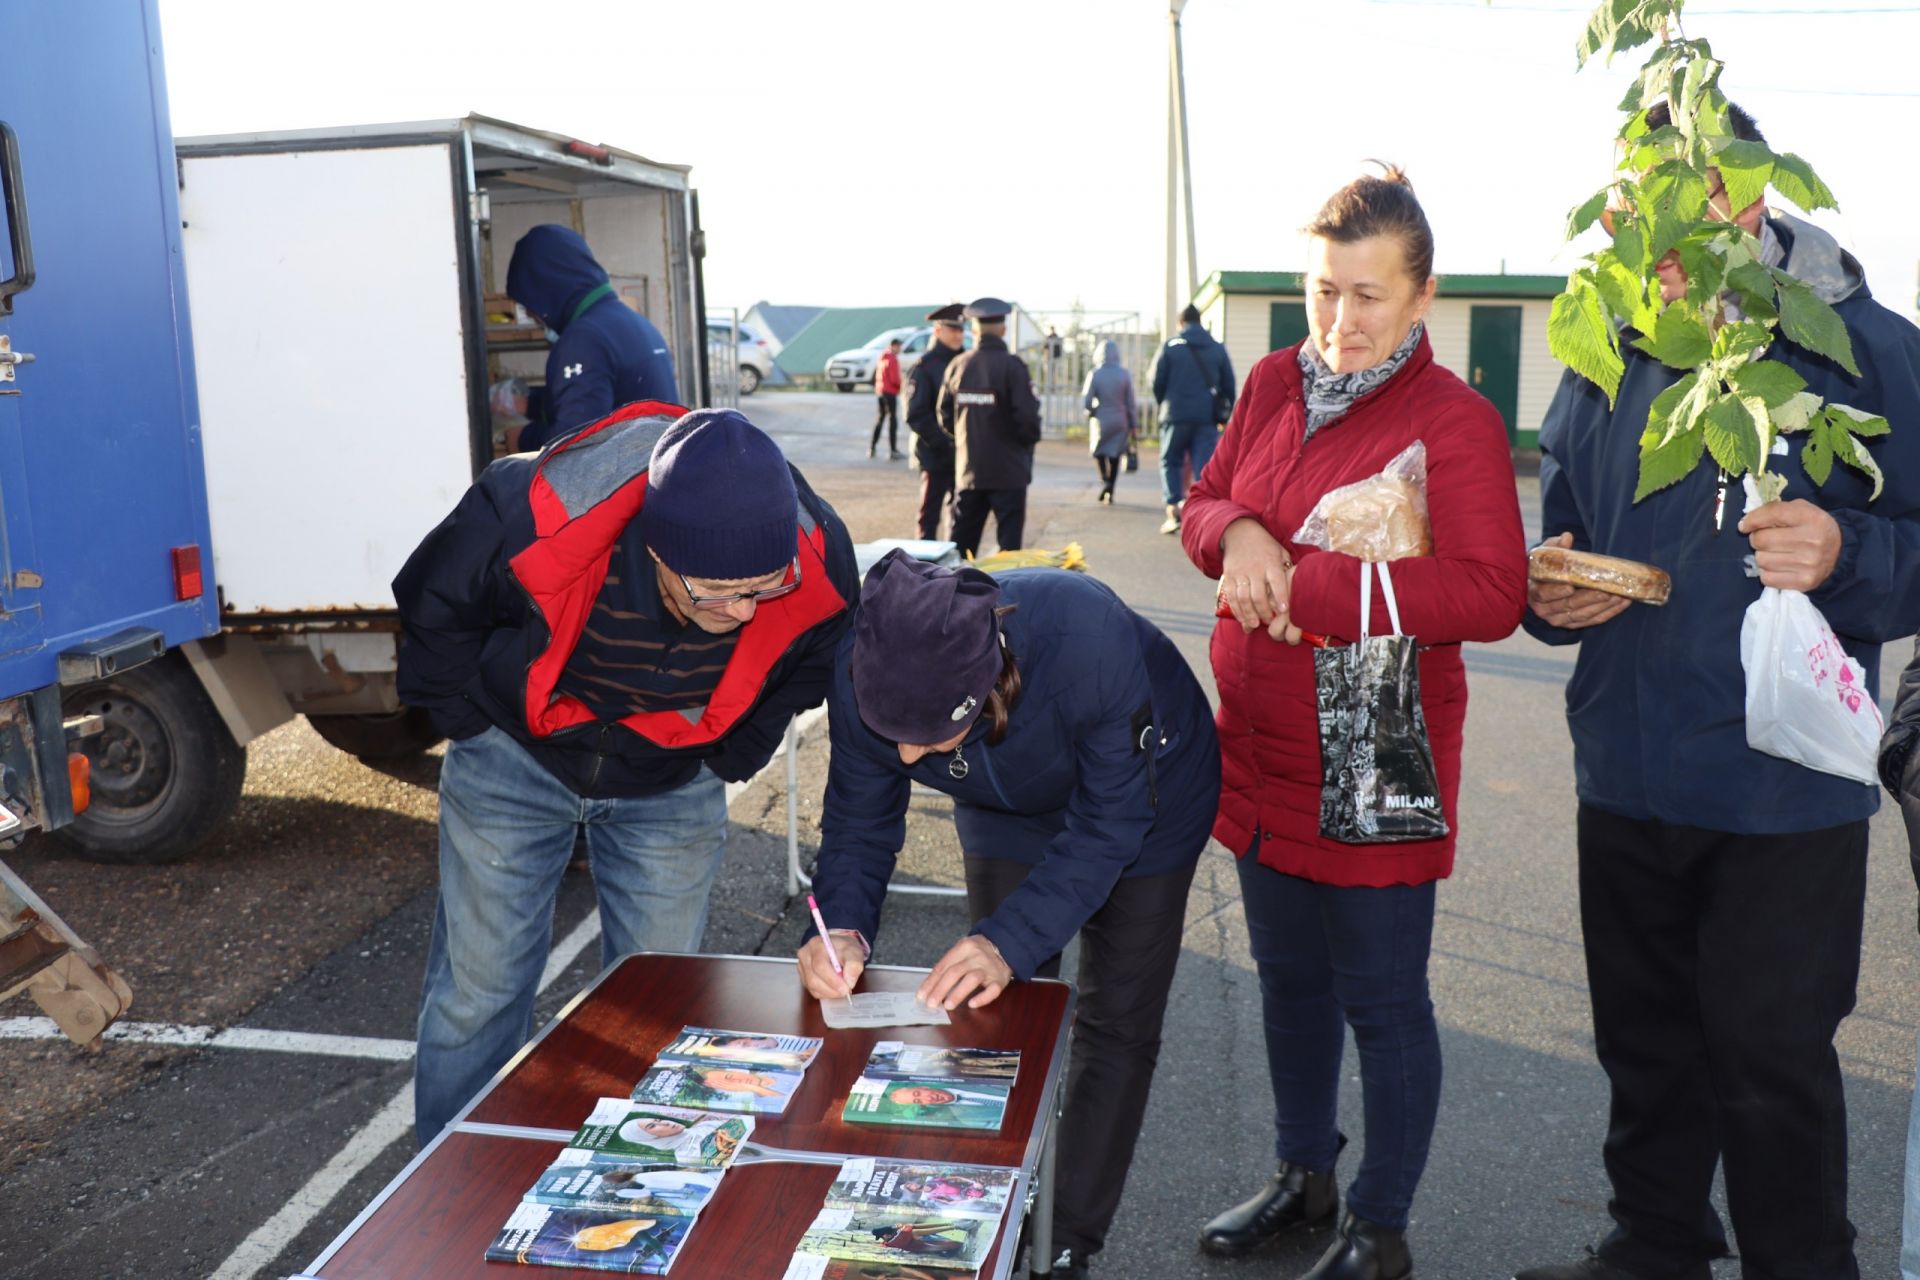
1040	1246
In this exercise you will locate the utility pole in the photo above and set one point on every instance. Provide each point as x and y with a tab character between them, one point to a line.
1179	175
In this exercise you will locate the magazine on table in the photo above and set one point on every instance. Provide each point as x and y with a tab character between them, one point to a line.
937	1103
811	1266
976	1190
742	1048
581	1179
717	1086
545	1235
897	1060
621	1129
944	1240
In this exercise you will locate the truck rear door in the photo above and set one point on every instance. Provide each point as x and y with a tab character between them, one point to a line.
331	321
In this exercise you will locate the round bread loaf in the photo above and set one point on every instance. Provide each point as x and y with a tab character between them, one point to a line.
1380	520
1614	576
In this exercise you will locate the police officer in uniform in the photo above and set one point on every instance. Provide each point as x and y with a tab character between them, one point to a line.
933	443
987	404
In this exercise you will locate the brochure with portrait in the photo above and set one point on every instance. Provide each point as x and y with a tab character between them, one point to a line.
933	1103
974	1190
811	1266
543	1235
662	1137
717	1086
742	1048
901	1236
896	1060
581	1179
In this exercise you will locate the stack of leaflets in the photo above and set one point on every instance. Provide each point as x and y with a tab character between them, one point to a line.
728	1071
623	1195
933	1086
911	1215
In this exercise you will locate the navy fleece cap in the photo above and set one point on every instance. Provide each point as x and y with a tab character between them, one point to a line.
720	500
926	649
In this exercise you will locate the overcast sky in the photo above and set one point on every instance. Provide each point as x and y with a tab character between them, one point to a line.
874	154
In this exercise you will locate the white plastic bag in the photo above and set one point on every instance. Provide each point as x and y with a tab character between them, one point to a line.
1807	700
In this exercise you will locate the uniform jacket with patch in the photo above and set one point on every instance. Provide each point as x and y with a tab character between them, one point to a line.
932	443
494	600
987	405
1473	587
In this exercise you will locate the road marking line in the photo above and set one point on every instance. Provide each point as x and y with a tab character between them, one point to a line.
269	1240
173	1033
395	1120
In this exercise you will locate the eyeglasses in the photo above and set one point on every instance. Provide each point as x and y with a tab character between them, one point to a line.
789	584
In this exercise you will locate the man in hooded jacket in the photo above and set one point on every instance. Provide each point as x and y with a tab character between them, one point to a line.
1722	889
604	354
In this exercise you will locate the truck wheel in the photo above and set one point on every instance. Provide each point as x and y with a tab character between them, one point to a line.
165	771
393	735
844	386
749	379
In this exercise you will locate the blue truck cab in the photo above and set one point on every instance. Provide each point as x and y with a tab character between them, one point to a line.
105	546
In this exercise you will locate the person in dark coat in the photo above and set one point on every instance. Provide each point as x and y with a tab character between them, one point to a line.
608	631
604	353
987	405
933	443
1722	889
1897	773
1080	754
1193	381
1112	415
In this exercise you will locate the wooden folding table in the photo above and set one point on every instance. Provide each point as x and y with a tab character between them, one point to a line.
436	1218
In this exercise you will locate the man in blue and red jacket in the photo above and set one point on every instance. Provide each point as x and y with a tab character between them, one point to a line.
604	352
607	631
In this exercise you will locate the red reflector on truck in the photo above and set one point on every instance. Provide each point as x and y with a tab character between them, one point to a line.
186	573
80	780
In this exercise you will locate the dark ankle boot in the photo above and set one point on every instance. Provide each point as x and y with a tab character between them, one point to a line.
1293	1198
1364	1251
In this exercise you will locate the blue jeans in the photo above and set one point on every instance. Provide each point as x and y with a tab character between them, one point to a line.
1910	1236
1330	958
1181	442
507	830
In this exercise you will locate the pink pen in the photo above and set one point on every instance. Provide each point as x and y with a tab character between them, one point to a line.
833	952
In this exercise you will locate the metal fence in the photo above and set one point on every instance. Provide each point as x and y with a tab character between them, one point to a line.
1060	363
723	358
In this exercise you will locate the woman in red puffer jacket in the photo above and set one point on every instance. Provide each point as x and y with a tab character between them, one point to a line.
1341	932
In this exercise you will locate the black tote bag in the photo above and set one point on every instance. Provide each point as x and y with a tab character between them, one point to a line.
1378	781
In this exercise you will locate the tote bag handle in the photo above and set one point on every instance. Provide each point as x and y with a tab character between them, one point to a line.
1366	598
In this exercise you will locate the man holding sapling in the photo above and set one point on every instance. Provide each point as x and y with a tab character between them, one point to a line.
1721	889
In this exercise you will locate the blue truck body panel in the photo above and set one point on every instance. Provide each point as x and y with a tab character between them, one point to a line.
100	460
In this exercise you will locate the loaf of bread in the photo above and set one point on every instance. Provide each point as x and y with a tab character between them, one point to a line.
1614	576
1381	519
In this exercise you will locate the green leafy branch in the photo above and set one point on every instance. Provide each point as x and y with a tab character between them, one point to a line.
1731	404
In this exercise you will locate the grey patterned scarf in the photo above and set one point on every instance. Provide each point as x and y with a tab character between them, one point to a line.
1329	395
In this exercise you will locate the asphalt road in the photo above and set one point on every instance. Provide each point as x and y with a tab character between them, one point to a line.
310	914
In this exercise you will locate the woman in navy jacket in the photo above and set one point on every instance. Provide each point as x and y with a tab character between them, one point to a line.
1080	754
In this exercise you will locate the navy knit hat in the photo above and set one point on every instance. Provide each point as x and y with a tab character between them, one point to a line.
720	501
926	649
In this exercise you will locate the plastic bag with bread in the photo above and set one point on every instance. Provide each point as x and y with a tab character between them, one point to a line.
1383	517
1616	577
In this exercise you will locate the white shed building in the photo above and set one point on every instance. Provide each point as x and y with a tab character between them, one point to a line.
1490	330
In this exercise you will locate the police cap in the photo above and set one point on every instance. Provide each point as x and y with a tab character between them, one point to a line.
949	314
987	309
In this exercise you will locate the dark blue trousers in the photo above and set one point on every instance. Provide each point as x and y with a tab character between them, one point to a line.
1331	958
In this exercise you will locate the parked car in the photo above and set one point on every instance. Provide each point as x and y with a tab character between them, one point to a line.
916	347
752	355
849	368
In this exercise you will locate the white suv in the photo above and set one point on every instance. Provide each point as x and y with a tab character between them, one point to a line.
755	361
851	367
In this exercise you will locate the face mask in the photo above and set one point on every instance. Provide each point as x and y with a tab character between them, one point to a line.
553	335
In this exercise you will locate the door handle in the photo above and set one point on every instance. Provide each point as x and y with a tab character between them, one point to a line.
1476	375
13	189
